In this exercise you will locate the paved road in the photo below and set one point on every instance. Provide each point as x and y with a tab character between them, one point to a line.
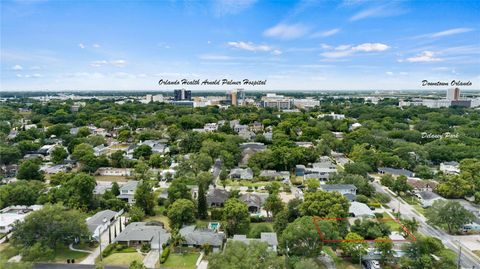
468	259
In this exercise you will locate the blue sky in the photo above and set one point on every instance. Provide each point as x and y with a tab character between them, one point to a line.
304	45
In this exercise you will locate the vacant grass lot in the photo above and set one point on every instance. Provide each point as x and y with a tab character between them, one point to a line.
111	178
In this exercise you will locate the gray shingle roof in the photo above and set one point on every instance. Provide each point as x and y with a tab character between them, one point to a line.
199	237
334	187
140	231
99	219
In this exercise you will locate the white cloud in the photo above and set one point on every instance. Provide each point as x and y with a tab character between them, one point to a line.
96	45
276	52
17	67
425	56
451	32
403	73
389	73
326	33
325	46
225	7
37	75
347	50
117	63
387	10
286	31
81	46
253	47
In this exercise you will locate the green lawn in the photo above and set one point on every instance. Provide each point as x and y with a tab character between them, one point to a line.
181	261
62	254
7	251
159	217
123	258
419	209
111	178
269	224
390	222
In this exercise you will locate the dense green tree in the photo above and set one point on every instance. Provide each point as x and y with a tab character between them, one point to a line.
142	151
273	204
280	221
370	229
448	214
301	237
51	226
202	207
115	189
385	246
21	192
236	217
136	213
144	198
30	170
325	204
354	246
178	190
181	212
418	254
58	155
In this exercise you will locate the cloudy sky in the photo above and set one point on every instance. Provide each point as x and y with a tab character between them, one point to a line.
314	45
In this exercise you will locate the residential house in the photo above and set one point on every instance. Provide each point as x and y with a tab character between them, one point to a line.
253	201
127	191
395	172
217	197
355	126
304	144
450	168
241	173
360	210
427	198
199	237
114	172
321	170
333	116
10	215
138	233
9	170
157	146
269	238
347	190
274	175
421	185
102	187
101	221
210	127
246	134
250	148
47	169
100	150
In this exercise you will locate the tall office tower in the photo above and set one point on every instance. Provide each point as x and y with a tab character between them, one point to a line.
453	94
182	95
236	97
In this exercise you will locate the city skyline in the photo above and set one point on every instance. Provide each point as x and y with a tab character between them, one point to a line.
298	45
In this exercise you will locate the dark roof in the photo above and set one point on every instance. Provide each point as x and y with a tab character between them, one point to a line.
334	187
99	219
428	195
395	171
251	199
200	237
217	196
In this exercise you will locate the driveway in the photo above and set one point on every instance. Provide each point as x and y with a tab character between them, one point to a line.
151	259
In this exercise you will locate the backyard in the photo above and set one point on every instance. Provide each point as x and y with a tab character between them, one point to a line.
123	258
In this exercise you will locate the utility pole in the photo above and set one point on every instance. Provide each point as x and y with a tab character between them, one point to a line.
459	256
159	249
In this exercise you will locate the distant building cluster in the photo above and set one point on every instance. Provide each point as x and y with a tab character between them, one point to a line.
453	98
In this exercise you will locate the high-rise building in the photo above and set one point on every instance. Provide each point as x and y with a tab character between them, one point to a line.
276	101
453	94
182	95
236	97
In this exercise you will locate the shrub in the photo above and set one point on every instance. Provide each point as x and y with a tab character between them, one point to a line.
382	197
165	253
374	204
361	198
378	215
161	201
145	248
255	219
216	213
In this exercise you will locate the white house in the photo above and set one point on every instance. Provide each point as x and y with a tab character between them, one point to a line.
269	238
9	216
450	168
127	191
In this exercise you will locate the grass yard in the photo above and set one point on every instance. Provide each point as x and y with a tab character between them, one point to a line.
62	254
269	224
159	217
181	261
111	178
339	262
419	209
7	251
123	258
390	222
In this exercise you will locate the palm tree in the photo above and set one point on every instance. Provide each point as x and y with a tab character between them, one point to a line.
176	239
